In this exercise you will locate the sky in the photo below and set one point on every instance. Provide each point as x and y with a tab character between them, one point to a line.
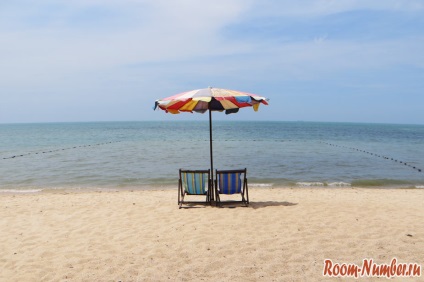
109	60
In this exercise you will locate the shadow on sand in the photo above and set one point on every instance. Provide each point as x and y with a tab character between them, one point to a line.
258	205
254	205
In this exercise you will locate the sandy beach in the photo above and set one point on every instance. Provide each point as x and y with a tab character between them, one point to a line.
286	234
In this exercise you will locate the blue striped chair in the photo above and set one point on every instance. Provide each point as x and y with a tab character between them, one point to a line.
194	182
231	182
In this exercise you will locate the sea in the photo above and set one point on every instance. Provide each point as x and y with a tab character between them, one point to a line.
141	155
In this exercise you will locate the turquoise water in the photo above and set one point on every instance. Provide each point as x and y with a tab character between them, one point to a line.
136	154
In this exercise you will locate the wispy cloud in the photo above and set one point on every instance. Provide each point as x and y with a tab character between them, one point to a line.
95	48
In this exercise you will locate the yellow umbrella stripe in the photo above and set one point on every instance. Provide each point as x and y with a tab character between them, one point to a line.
189	106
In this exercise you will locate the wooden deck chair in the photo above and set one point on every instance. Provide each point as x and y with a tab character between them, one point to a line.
194	182
231	182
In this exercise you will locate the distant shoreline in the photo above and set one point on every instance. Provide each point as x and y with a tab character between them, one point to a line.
217	119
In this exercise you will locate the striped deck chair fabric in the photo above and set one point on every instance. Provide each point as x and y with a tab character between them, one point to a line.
193	182
231	182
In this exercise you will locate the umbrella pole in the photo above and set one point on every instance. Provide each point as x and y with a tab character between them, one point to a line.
211	154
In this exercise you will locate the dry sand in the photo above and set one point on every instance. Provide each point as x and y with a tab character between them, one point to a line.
285	235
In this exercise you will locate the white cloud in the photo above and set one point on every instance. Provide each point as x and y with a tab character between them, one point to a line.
319	8
105	48
156	31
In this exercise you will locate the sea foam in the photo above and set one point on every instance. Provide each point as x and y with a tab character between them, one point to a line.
20	190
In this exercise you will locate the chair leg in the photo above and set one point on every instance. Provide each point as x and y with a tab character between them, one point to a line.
217	199
247	192
180	194
182	200
243	199
180	203
245	202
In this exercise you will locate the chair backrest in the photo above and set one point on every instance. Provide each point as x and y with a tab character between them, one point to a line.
195	182
230	181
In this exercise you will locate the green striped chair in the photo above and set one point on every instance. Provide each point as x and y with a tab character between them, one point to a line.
194	182
230	182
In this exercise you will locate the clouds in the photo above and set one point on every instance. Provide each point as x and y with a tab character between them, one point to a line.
95	35
107	52
309	9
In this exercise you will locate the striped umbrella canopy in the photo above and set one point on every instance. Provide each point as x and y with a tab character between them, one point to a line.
210	99
213	99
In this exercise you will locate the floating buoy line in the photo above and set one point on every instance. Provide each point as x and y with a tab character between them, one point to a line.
375	155
58	150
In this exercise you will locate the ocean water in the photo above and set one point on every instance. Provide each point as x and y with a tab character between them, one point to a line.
131	155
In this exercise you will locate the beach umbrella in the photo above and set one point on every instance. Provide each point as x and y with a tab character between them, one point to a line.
208	100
